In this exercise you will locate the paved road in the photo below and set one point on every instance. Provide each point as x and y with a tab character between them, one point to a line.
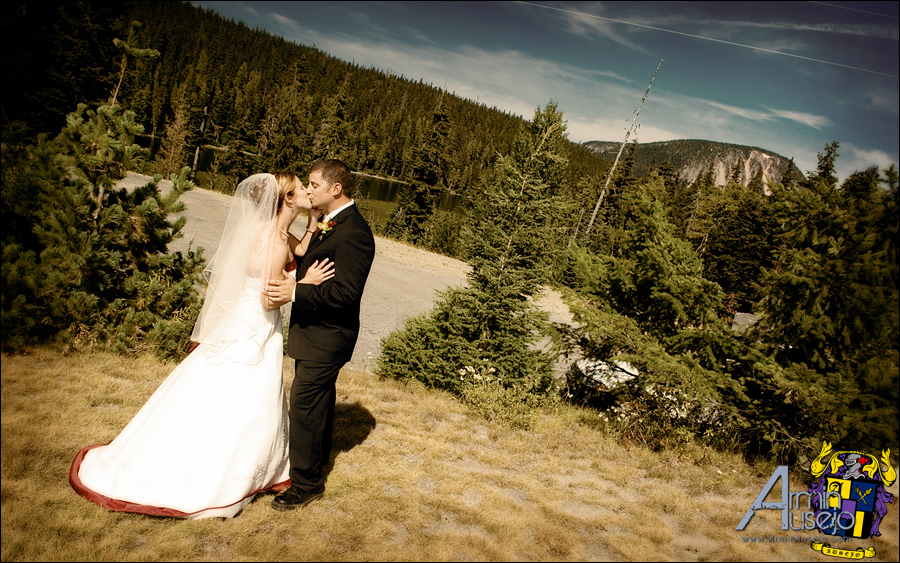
404	281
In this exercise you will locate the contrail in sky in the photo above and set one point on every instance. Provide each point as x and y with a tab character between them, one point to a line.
706	38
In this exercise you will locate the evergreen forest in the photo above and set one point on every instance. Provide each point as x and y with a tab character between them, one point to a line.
654	268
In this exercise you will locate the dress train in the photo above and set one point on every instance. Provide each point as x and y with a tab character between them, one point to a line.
210	438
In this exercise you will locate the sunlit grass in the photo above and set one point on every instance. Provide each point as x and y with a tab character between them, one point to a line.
416	476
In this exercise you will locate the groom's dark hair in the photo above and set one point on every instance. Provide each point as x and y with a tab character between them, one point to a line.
334	171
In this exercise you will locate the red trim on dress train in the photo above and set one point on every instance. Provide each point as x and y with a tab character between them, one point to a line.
117	505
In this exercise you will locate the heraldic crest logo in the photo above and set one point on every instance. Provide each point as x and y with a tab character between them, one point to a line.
850	490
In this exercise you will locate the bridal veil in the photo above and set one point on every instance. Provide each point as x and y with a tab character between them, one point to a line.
244	252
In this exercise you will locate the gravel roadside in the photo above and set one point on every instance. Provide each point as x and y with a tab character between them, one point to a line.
404	280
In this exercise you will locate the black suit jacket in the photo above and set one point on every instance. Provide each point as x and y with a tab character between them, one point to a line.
325	318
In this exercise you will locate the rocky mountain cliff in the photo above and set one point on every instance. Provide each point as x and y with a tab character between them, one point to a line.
693	157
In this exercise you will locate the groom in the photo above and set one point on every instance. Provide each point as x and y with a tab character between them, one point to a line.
324	326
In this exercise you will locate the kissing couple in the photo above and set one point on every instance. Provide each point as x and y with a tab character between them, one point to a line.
217	432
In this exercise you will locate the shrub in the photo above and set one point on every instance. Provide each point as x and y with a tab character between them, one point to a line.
92	268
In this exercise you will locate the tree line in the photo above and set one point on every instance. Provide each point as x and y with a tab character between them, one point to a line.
245	90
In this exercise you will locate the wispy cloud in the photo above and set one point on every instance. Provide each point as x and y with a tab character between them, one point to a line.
754	115
360	17
817	122
781	45
854	158
587	25
283	20
417	35
875	31
883	100
599	19
808	119
615	130
768	114
250	9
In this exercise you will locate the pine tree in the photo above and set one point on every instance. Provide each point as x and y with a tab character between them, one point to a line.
99	272
417	201
831	306
788	179
649	305
293	136
333	132
56	55
741	242
709	180
737	171
128	49
431	164
757	184
825	171
701	187
658	278
669	175
170	158
492	324
242	158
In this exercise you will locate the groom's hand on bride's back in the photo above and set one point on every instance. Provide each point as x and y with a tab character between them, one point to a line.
280	292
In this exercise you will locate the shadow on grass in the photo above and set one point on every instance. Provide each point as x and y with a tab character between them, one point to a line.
352	425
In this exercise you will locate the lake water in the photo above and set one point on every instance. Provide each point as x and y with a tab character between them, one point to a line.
381	189
385	189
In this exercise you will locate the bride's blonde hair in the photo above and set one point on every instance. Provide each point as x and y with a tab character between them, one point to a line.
287	183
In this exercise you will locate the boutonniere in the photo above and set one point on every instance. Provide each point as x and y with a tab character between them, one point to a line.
324	227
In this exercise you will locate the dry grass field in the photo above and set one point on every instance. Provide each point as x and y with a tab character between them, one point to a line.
416	476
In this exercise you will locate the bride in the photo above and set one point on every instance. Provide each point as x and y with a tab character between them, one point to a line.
214	434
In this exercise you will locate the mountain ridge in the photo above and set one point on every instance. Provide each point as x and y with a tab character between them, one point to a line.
693	157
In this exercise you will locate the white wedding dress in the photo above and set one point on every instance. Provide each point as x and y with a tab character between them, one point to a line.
212	436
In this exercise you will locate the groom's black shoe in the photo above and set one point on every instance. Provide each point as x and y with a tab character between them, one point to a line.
294	498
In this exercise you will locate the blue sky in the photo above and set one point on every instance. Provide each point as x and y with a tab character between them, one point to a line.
789	77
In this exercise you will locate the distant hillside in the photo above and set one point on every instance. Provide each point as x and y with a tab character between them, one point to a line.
692	157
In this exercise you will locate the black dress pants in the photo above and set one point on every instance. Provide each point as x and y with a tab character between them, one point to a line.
311	411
